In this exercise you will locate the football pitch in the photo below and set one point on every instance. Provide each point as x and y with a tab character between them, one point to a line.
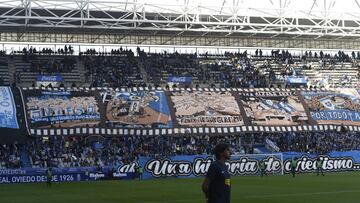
332	188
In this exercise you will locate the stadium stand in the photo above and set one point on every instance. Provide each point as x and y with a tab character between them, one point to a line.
96	92
183	81
118	68
29	66
4	70
123	68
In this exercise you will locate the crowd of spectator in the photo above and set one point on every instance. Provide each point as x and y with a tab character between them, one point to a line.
159	66
125	68
113	52
66	64
67	50
320	143
114	151
121	68
10	156
233	70
341	56
82	151
117	70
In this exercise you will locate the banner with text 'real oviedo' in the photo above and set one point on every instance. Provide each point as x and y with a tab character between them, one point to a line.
39	175
196	166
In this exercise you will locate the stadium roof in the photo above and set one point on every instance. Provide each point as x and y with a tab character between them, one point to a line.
271	19
290	8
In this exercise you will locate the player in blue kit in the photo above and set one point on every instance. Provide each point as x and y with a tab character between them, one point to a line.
217	185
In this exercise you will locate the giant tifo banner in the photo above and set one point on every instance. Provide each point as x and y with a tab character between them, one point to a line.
273	108
341	106
136	109
45	108
150	111
195	166
7	109
200	108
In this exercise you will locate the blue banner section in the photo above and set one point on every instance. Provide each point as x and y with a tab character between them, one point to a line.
340	106
49	78
190	166
180	79
7	109
194	166
333	162
38	175
296	80
337	115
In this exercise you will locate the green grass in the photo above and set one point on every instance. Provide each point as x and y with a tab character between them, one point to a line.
333	188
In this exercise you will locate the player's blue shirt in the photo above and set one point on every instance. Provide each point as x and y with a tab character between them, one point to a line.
219	188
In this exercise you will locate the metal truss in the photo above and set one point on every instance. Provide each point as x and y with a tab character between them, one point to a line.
174	41
191	18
